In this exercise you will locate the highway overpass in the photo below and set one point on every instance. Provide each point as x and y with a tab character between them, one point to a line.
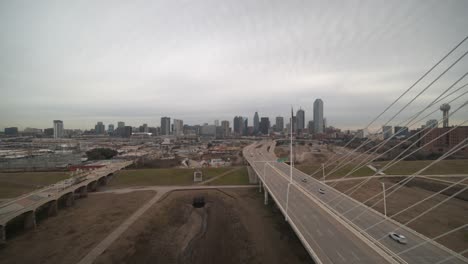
25	208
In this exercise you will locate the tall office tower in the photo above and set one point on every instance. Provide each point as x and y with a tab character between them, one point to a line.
264	125
120	124
256	123
110	128
279	124
300	115
58	128
216	123
145	128
99	128
245	132
238	125
225	127
387	131
318	116
165	125
178	127
294	124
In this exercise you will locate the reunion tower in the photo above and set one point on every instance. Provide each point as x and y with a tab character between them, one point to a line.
445	110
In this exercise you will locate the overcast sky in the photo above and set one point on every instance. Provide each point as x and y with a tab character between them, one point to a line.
135	61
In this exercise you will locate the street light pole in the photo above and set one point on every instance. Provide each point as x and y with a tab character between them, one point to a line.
290	161
323	171
384	200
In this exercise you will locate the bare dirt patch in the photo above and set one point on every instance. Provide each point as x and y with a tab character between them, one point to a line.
67	237
233	227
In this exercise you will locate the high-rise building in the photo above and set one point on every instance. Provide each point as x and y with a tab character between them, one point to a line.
294	124
58	128
264	125
126	131
401	131
246	127
178	127
208	130
238	125
279	124
11	131
387	132
225	128
216	123
300	116
256	123
165	125
110	128
318	116
99	128
120	124
432	123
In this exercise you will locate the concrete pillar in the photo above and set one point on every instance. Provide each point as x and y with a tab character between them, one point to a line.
2	235
70	199
265	193
92	186
29	220
253	178
259	186
53	208
83	192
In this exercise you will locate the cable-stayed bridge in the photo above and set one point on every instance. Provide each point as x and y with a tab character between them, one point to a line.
329	233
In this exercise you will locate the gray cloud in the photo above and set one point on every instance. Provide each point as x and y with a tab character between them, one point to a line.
88	61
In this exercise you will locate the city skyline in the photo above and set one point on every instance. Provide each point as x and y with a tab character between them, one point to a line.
82	67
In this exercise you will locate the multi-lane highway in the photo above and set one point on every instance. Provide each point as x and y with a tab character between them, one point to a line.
331	232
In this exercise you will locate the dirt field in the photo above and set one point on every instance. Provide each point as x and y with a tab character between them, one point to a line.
67	237
16	183
233	227
450	215
173	176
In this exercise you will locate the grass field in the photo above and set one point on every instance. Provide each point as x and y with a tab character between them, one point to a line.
171	176
17	183
237	177
443	167
309	169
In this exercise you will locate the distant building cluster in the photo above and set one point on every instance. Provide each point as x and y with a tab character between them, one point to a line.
432	138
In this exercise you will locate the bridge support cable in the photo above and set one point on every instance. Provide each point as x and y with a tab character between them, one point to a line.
434	239
400	184
409	123
426	130
422	201
404	107
394	161
332	159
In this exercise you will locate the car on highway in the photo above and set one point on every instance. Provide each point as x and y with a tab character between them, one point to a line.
322	191
397	237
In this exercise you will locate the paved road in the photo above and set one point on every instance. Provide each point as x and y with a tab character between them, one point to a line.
321	228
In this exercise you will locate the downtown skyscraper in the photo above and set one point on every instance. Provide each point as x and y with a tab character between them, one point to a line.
165	125
256	123
318	116
300	119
